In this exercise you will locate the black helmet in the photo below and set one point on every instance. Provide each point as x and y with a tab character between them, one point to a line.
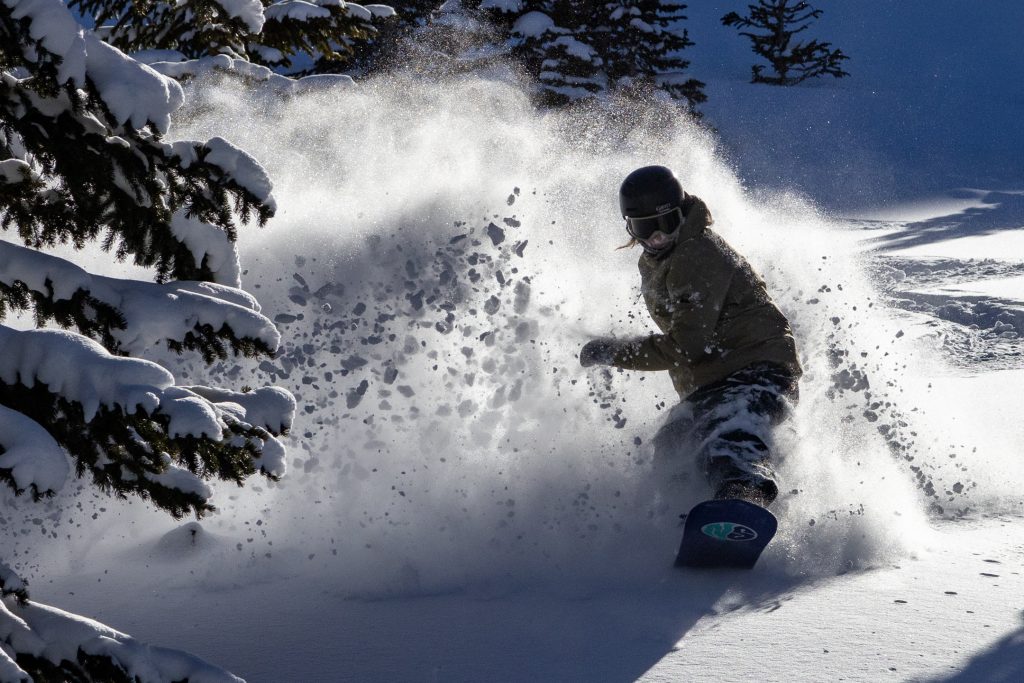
649	191
651	200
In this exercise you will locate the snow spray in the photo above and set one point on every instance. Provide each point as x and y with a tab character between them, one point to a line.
437	251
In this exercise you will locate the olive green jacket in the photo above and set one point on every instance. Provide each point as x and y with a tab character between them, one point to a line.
714	312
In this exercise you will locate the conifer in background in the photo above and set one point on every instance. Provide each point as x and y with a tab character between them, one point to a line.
775	25
577	49
644	41
296	38
398	40
564	61
83	164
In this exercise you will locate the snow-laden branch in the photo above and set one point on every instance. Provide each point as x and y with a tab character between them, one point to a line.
159	417
535	25
81	371
60	638
33	457
79	155
13	171
224	64
510	6
234	162
154	313
11	583
132	91
210	246
296	10
268	407
250	12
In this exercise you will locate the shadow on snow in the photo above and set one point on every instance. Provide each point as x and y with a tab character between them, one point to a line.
1002	211
1002	663
599	633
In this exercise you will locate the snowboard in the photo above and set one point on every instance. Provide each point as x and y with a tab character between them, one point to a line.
727	534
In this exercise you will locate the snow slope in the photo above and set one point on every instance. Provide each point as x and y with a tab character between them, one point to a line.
951	616
465	503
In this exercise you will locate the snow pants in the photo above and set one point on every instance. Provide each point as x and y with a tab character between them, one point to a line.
729	425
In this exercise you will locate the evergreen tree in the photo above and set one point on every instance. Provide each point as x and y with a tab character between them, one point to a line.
83	162
791	61
398	40
577	49
644	41
555	49
297	38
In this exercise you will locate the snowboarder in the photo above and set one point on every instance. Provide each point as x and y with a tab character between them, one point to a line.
728	349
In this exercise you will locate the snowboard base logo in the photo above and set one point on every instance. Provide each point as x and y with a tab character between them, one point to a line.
729	531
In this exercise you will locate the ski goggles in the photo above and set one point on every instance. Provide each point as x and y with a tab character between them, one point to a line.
643	227
657	241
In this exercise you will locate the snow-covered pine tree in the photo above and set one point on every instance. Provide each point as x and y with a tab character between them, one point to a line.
643	43
552	47
82	161
394	42
576	49
290	36
436	38
791	61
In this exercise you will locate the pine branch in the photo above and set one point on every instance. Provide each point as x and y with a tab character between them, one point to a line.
93	178
330	37
51	645
12	584
329	34
196	28
211	319
137	453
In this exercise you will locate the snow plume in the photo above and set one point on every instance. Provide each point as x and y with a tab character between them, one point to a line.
442	253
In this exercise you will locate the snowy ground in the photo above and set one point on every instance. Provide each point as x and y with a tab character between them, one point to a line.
950	615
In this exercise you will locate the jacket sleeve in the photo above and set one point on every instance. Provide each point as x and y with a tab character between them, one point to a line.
698	282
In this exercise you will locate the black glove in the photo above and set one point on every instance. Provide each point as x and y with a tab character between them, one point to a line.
599	352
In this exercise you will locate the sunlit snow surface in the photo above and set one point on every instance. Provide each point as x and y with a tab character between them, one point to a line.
438	257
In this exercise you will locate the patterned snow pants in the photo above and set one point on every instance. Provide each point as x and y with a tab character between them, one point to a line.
729	423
